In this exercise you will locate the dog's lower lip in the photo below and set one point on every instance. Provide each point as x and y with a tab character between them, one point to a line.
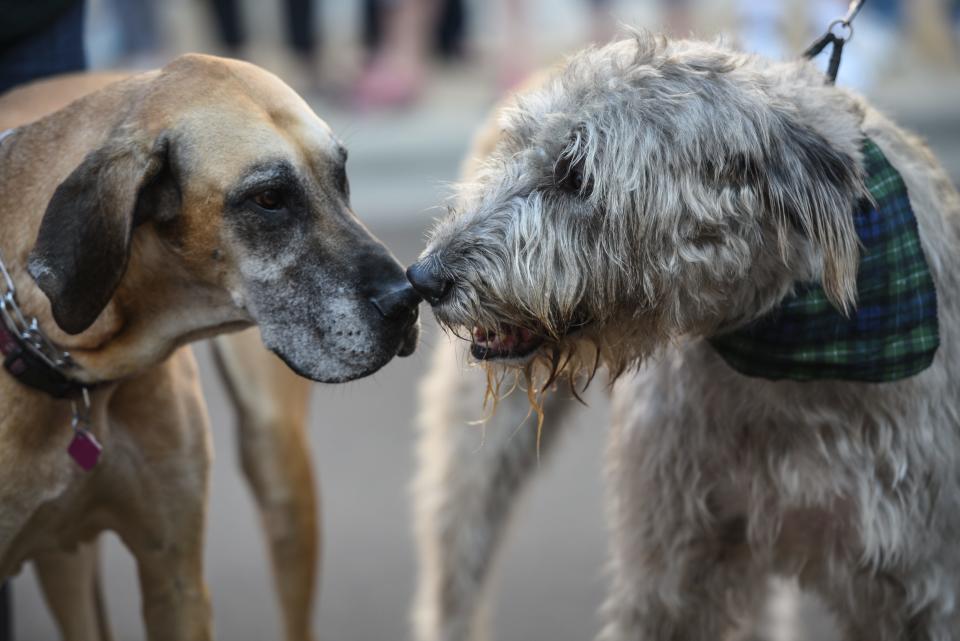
507	342
409	344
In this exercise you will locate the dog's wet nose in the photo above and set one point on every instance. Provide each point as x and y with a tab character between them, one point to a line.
397	303
429	281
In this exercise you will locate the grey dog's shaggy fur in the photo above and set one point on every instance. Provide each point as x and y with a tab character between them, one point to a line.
708	183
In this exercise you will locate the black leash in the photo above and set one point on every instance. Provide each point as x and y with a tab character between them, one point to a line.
837	40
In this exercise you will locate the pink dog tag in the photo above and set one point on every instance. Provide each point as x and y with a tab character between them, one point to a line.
85	449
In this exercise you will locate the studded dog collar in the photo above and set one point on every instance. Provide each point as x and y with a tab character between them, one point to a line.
893	332
29	356
35	361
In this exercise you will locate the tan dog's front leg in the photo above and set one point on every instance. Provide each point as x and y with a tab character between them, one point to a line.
159	494
272	405
71	586
176	604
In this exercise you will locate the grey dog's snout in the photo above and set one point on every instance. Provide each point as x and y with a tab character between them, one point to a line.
429	281
397	303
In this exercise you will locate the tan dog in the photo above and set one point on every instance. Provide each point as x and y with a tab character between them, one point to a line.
164	208
271	404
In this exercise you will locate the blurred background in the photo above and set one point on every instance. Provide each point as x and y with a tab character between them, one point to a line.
405	83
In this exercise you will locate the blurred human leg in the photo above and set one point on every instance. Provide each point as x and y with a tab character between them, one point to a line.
301	30
515	56
930	30
139	36
451	27
603	28
44	42
228	16
677	18
395	75
304	37
53	46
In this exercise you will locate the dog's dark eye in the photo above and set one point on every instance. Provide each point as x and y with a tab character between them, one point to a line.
269	199
568	174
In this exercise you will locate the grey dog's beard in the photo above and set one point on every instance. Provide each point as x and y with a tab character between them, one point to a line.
571	363
554	365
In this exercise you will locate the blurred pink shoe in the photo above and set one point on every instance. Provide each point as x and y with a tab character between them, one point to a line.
388	85
512	74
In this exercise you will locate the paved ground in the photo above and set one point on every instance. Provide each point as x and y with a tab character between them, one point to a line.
550	583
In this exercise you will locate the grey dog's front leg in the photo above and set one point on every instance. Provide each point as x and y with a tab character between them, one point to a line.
468	480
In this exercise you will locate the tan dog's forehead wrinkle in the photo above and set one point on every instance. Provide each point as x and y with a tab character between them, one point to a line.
233	131
291	116
319	152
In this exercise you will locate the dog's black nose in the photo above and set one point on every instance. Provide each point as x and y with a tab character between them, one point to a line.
400	301
427	279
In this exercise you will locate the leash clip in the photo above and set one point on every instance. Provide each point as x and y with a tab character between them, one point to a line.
84	448
81	410
846	21
852	11
836	40
846	34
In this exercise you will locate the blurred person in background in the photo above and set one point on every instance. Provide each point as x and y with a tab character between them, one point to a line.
137	38
516	61
677	18
780	29
37	39
932	25
603	26
40	38
399	36
451	29
449	33
300	29
397	33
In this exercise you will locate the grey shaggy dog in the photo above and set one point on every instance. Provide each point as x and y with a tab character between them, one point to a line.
643	197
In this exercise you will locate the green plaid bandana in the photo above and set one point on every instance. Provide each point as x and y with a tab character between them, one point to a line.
892	333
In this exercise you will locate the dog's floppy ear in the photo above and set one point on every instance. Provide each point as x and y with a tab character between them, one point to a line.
814	186
83	245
